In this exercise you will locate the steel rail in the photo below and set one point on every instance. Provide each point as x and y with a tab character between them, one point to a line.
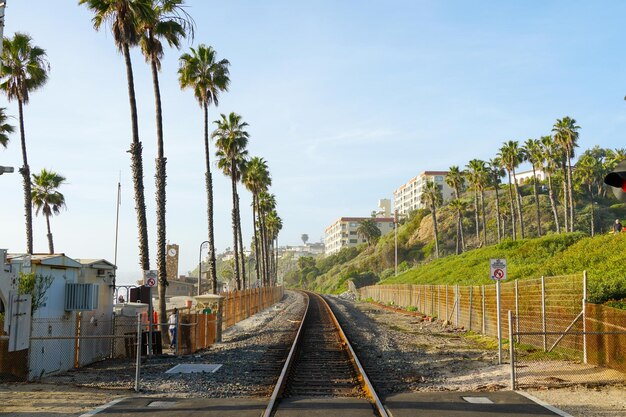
362	376
280	384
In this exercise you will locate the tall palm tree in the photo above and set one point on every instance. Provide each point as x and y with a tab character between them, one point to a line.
24	69
589	173
533	154
266	204
510	156
431	196
455	180
168	22
124	17
495	170
477	176
257	179
5	128
566	134
274	226
231	140
459	207
614	157
368	230
207	77
46	197
549	155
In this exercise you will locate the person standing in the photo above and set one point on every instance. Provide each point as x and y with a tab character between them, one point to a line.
173	322
617	227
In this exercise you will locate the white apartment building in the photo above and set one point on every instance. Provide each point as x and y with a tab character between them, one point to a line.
343	234
409	196
524	176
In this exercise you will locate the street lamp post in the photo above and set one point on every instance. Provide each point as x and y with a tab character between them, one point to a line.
203	244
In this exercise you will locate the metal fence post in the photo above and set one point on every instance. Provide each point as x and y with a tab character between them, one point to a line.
470	308
482	296
458	306
516	310
138	364
543	313
438	301
584	317
446	301
511	350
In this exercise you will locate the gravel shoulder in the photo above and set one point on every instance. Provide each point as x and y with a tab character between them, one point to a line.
250	353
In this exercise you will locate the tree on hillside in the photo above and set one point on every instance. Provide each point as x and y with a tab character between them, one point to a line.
533	154
24	68
495	170
511	157
431	196
549	155
266	204
455	180
589	175
124	17
47	199
231	140
257	179
207	77
566	134
459	206
478	177
274	226
5	128
169	22
368	230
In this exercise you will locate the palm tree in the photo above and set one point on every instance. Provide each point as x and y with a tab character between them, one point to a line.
494	167
477	176
566	134
533	154
614	157
46	197
510	156
368	230
549	155
124	17
455	180
168	22
207	77
274	226
24	69
5	128
459	207
231	140
257	179
266	204
431	196
588	171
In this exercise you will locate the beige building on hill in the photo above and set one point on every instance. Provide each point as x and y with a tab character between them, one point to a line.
408	197
343	234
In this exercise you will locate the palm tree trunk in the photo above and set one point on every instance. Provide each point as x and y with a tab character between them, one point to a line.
262	266
592	211
565	197
28	195
553	204
256	240
233	182
241	247
50	243
512	204
537	202
160	177
482	208
137	167
209	192
461	231
497	210
476	216
434	213
571	190
266	257
458	233
519	207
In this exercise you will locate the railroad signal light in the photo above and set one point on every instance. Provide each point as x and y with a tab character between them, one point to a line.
617	180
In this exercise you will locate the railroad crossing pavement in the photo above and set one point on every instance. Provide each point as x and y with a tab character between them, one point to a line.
432	404
468	404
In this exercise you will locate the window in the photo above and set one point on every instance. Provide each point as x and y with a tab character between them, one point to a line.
353	240
352	233
438	178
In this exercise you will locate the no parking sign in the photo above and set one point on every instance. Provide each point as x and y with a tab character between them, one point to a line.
498	269
150	278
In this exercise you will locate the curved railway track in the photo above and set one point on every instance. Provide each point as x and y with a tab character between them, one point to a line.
322	363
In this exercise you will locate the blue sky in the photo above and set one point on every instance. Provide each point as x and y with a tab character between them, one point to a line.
346	100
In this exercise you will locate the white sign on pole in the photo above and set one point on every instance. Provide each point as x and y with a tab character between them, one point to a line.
498	269
150	278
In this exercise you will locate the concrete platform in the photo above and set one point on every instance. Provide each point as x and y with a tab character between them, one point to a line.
183	407
324	407
465	404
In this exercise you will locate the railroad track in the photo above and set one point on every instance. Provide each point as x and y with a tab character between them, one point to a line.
322	364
